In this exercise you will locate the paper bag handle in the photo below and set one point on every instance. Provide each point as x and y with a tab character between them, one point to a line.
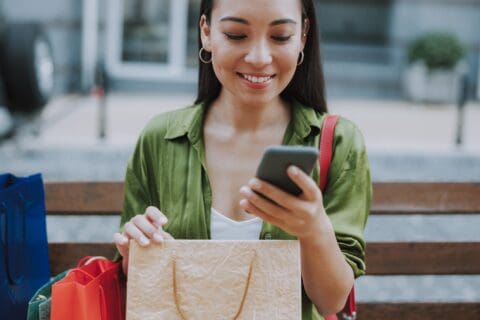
244	295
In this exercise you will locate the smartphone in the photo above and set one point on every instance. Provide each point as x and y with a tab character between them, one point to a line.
276	160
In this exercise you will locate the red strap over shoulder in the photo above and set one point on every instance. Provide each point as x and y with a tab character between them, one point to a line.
326	148
325	159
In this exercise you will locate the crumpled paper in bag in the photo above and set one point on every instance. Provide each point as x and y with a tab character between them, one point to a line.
211	280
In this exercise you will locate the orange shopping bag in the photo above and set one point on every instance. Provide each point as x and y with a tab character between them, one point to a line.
94	290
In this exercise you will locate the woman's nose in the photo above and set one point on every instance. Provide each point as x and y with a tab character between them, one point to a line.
259	54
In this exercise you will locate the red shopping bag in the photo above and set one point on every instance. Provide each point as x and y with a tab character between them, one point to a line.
94	290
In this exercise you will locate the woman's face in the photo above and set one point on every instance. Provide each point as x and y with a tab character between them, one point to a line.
255	46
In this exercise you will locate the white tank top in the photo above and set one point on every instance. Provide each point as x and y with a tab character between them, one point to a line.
224	228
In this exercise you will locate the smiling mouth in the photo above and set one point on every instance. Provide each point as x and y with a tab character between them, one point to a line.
255	79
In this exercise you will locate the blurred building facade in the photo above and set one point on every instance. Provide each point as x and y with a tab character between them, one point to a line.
151	44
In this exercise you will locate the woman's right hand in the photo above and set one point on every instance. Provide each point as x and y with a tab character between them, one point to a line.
143	228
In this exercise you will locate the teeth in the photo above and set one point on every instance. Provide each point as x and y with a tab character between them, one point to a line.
256	79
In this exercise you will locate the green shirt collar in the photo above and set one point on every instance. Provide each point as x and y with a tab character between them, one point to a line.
189	122
186	122
305	121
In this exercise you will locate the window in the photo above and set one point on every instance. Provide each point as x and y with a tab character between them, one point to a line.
192	35
146	39
355	30
354	21
145	35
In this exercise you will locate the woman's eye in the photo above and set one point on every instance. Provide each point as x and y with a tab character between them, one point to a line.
234	36
281	38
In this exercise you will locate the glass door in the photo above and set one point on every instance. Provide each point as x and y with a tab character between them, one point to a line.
146	39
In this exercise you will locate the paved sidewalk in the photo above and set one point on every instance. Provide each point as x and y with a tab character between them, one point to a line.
388	126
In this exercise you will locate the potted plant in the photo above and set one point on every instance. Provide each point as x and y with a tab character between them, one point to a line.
435	68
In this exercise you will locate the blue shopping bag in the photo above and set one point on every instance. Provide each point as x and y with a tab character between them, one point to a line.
24	265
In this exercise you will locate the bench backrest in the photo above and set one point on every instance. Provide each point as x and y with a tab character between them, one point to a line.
383	258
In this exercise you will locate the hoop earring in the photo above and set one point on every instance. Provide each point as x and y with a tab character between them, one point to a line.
302	56
201	57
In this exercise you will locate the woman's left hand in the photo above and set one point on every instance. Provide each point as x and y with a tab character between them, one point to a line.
302	216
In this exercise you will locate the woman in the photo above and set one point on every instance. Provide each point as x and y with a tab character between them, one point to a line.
260	84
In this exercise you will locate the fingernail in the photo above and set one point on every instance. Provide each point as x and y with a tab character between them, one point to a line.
144	241
244	190
293	170
158	237
254	183
124	240
163	220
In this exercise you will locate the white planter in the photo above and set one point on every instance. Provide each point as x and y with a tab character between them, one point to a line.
434	86
6	122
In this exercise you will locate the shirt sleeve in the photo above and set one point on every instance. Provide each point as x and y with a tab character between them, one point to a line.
347	199
136	195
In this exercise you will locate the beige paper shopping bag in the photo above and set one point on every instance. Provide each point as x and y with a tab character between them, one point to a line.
214	280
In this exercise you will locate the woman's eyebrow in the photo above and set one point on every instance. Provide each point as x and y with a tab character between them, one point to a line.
244	21
282	21
234	19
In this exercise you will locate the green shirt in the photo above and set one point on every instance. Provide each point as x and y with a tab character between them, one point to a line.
168	171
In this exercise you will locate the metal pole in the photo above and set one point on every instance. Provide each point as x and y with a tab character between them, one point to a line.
478	77
100	92
461	101
89	43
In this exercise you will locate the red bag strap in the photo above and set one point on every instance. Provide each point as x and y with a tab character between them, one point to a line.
326	149
325	159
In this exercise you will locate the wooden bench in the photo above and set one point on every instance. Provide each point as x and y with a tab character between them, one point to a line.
383	258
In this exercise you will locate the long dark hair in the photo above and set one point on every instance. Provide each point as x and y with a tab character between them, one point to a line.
307	85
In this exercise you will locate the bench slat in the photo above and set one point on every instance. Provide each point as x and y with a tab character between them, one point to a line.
78	198
382	258
106	198
423	258
64	256
426	198
419	311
